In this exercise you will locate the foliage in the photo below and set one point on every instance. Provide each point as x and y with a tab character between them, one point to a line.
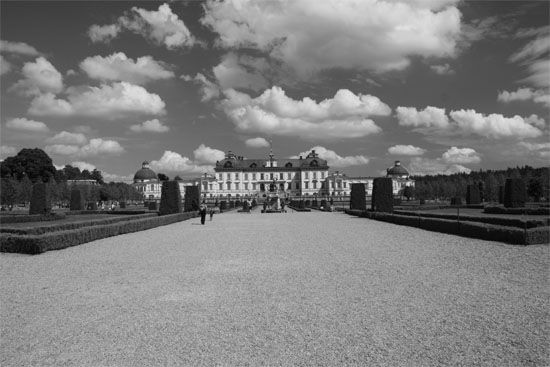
9	191
153	205
33	163
191	200
40	199
535	188
358	199
473	195
514	193
170	198
408	192
382	194
162	177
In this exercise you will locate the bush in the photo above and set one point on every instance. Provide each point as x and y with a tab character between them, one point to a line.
397	201
153	205
358	199
170	198
301	204
146	204
473	195
422	201
40	199
223	205
192	199
382	194
457	200
514	193
238	203
254	203
315	203
77	200
36	244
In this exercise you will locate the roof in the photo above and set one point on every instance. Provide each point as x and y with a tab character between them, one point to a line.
397	170
145	174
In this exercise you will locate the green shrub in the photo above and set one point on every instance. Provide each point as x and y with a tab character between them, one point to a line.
192	199
238	203
170	198
153	205
514	193
77	200
40	199
358	199
516	211
382	194
254	203
472	194
301	204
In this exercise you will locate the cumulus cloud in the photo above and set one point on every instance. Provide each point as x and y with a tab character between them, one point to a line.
23	124
103	33
94	147
106	102
7	151
40	77
175	162
5	66
343	116
309	37
241	72
83	165
256	143
425	166
208	89
65	137
118	67
335	160
18	48
444	69
429	117
524	94
153	126
207	155
406	150
461	156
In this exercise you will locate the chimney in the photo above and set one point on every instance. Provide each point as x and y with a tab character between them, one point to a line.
300	157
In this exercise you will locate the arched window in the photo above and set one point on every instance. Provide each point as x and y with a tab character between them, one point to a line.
288	165
314	163
253	165
227	165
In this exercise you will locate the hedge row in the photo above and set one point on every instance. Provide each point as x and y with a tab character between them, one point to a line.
111	212
36	244
509	222
7	219
490	232
73	225
358	198
527	211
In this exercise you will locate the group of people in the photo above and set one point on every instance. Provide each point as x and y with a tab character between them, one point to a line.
203	209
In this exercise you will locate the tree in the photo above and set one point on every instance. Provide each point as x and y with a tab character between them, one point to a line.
34	163
25	190
534	188
8	191
96	175
71	173
163	177
178	178
85	175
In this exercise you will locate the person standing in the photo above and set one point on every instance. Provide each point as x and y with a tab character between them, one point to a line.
202	212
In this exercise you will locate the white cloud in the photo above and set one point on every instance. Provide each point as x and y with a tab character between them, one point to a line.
424	166
524	94
461	156
23	124
154	126
118	67
444	69
5	66
343	116
103	33
430	117
65	137
94	147
308	37
162	27
6	150
40	77
113	177
256	143
18	48
175	162
208	89
406	150
335	160
493	125
207	155
534	56
540	150
240	72
106	102
83	165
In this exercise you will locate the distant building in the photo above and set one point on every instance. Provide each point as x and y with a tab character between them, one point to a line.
147	182
82	182
400	177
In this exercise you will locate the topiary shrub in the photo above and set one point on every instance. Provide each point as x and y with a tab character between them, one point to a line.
382	194
457	200
170	198
153	205
501	194
231	204
77	200
192	198
358	199
223	205
514	193
40	199
301	204
246	208
472	195
146	204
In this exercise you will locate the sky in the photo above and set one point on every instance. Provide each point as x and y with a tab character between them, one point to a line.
444	86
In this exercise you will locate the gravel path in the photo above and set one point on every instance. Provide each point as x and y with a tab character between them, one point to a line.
277	289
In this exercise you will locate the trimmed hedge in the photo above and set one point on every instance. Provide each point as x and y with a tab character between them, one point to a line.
153	205
7	219
514	193
192	199
170	198
358	199
77	200
36	244
40	199
382	194
473	195
36	230
516	211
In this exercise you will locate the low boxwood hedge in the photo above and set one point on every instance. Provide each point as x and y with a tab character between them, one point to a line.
516	211
36	244
7	219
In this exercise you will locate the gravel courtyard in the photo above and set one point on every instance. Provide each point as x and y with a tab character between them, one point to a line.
278	289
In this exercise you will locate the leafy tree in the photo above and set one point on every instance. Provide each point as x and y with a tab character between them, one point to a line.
535	188
71	173
85	175
163	177
25	190
34	163
8	191
96	175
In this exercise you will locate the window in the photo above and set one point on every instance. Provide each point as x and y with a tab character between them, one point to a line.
345	184
261	176
314	163
253	165
254	186
288	165
237	176
254	176
228	164
281	176
306	185
307	175
290	185
246	176
297	186
246	185
220	177
289	176
221	186
271	176
314	184
315	175
236	185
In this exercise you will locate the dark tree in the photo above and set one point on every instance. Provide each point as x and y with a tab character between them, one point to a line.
77	200
24	190
192	197
170	198
97	176
162	177
534	188
178	178
382	194
34	163
40	199
71	173
8	191
514	193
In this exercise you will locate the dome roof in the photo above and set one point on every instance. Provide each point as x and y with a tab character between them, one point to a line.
397	170
145	173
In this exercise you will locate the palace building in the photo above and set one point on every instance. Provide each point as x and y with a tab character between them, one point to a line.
236	177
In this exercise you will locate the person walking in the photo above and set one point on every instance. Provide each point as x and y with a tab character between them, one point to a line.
211	213
202	212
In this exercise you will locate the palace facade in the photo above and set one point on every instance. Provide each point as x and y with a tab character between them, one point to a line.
236	176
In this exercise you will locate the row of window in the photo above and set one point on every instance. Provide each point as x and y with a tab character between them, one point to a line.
269	176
